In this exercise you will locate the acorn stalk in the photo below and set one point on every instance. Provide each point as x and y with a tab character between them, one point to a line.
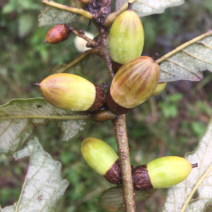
132	85
163	172
126	38
71	92
102	159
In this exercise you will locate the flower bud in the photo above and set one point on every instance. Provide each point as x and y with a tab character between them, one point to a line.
102	159
161	173
159	88
126	38
133	84
57	34
71	92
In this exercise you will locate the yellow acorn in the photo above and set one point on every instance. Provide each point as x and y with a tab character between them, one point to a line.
163	172
102	159
133	84
126	38
159	88
71	92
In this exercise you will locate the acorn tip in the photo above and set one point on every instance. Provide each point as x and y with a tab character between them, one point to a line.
45	42
37	84
194	165
81	138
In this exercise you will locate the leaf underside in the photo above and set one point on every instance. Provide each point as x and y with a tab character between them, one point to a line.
52	16
14	131
189	62
43	185
149	7
200	177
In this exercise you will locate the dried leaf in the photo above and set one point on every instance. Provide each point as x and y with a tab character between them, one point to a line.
149	7
43	185
188	61
18	117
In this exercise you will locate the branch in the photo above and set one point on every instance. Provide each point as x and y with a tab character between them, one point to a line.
121	135
110	18
81	34
78	59
181	47
80	11
119	125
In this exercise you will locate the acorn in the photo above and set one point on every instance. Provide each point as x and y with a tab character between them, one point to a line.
161	173
132	85
102	159
71	92
57	34
126	38
159	88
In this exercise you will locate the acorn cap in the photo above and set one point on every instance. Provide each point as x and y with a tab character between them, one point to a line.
159	88
57	34
101	158
70	92
126	38
134	83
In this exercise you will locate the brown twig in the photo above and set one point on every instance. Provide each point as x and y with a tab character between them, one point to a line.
78	59
81	34
85	13
119	126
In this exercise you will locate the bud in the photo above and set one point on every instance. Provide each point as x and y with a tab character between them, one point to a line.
133	84
161	173
102	159
57	34
102	116
126	38
71	92
159	88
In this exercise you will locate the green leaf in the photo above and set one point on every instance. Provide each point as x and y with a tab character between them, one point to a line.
50	15
149	7
43	185
188	61
18	117
179	197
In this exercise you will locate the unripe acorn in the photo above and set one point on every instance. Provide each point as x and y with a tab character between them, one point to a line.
126	38
159	88
133	84
161	173
71	92
57	34
102	159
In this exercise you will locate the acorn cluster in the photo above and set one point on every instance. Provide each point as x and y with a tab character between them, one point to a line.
136	79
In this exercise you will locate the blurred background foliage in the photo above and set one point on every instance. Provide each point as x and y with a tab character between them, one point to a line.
169	124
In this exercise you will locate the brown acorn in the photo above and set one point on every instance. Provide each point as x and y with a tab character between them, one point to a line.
132	85
57	34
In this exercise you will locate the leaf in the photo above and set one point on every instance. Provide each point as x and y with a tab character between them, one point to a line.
51	15
188	61
18	117
149	7
25	24
179	197
43	185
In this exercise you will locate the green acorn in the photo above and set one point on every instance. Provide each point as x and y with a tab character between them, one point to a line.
163	172
71	92
159	88
132	85
126	38
102	159
57	34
